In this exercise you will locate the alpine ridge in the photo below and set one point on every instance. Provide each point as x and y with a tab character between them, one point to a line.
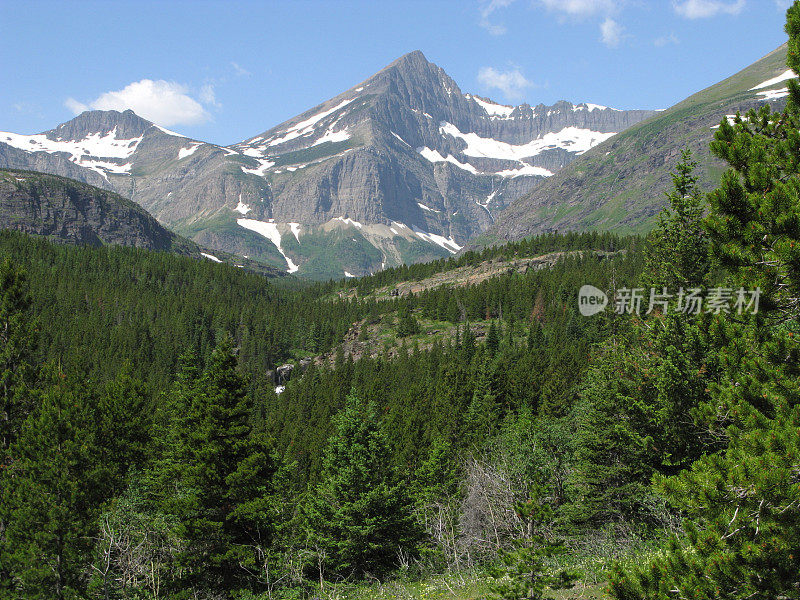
400	168
619	185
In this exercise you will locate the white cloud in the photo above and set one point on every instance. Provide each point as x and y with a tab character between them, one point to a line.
75	106
207	95
163	102
26	108
581	8
700	9
511	82
783	4
611	32
239	70
670	38
486	10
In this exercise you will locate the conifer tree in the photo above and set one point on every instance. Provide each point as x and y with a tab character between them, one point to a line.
359	516
492	339
16	348
678	254
59	483
17	376
743	503
483	413
223	471
523	572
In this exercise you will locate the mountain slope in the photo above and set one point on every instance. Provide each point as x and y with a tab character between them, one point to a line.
619	185
76	213
402	167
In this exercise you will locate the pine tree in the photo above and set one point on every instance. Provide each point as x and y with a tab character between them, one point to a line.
407	323
678	254
17	377
484	412
492	340
59	482
743	503
223	471
359	516
523	572
16	348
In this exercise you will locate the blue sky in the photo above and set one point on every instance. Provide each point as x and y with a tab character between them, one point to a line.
225	71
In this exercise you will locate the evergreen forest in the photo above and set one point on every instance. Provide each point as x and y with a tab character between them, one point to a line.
181	429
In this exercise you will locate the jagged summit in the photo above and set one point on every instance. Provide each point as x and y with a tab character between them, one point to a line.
415	57
128	125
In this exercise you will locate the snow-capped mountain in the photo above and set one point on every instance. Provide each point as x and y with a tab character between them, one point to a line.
621	184
399	168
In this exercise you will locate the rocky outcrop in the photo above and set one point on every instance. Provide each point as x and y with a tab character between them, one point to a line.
72	212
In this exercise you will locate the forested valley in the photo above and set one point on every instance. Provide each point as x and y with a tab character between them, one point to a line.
486	439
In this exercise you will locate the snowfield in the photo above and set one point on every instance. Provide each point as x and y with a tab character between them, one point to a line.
92	152
269	230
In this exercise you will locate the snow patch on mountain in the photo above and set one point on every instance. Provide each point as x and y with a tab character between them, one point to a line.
333	136
269	229
588	106
347	221
785	76
168	132
184	152
730	119
485	203
254	152
448	244
773	94
211	257
572	139
492	108
92	152
242	207
401	139
428	208
307	126
295	227
260	170
525	169
434	156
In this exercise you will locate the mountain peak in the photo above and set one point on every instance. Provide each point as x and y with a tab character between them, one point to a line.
416	56
128	125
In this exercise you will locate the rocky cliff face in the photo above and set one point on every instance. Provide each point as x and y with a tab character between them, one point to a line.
72	212
620	184
399	168
76	213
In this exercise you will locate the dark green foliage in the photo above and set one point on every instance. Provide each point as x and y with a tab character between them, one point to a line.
637	417
524	572
185	474
679	249
359	516
59	482
741	536
223	471
533	246
16	349
407	323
